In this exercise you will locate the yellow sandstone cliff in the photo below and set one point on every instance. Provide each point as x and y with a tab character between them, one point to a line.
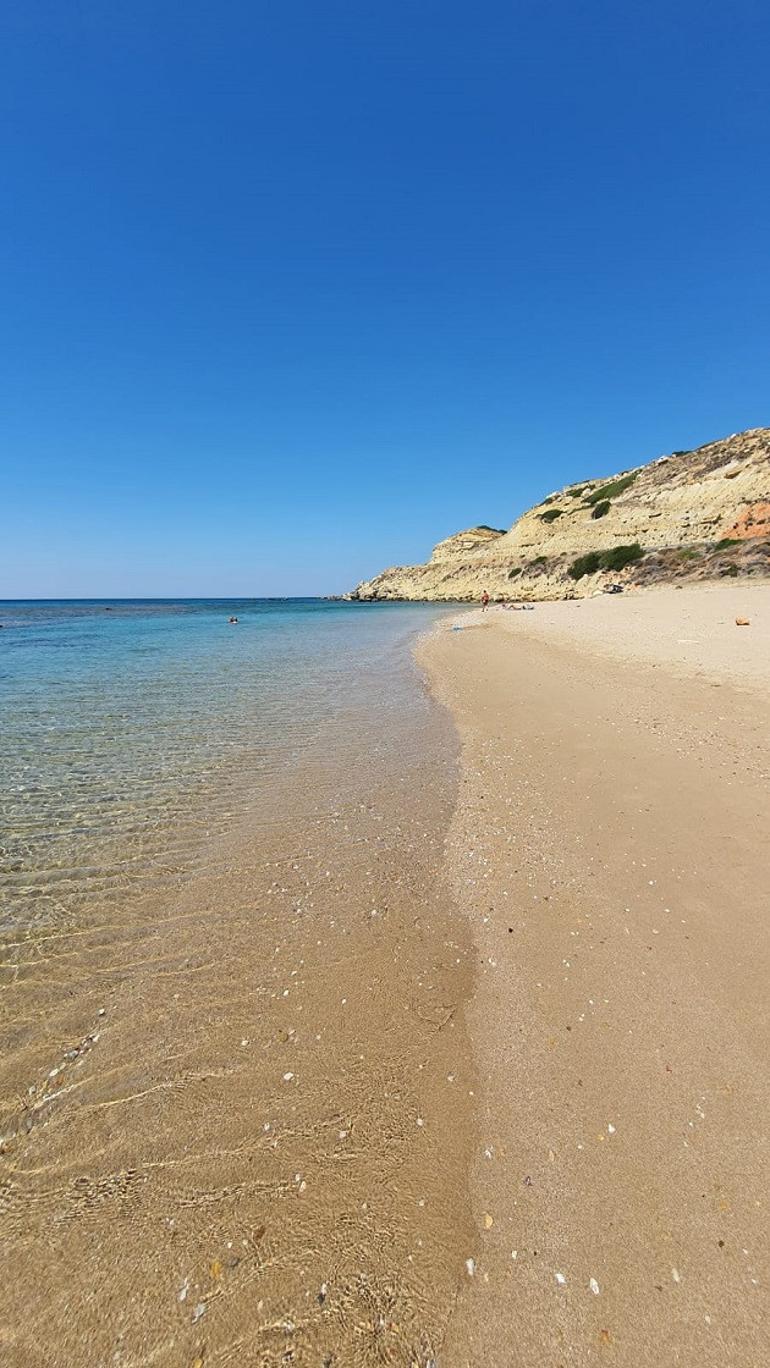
691	515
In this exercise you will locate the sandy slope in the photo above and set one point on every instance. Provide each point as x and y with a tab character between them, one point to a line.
611	850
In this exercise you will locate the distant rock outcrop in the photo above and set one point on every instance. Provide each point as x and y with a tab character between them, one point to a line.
691	515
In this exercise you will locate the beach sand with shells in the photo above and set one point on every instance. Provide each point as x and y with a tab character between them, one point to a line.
610	849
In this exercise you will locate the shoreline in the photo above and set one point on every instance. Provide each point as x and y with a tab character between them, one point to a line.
609	851
469	1022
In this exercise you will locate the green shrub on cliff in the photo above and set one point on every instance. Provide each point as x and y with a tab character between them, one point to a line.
601	509
611	490
621	556
585	565
616	558
550	515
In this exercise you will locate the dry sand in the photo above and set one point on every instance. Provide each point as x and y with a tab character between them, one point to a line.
610	848
690	631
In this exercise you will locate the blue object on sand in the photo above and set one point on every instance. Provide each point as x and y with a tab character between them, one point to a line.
457	629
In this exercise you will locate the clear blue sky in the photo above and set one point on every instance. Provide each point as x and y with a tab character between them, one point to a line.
292	290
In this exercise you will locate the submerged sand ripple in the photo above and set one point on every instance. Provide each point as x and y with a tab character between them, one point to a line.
230	1137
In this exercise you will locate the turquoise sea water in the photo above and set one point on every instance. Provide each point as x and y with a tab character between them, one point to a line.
135	731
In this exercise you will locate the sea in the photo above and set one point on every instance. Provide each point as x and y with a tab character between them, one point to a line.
137	733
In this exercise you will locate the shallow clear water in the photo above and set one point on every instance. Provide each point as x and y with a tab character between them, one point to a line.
133	731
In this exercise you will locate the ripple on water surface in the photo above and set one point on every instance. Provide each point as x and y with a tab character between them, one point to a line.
135	733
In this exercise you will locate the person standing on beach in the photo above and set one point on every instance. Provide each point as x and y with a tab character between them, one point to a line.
484	601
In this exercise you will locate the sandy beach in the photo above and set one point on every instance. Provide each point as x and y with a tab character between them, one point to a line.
452	1052
610	849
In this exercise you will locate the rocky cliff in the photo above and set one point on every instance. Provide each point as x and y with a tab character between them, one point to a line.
690	515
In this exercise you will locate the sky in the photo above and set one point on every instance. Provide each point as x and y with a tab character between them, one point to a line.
290	291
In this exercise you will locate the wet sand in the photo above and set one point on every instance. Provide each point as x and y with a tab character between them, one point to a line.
610	849
238	1120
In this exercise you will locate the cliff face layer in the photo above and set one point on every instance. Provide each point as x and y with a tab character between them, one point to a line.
691	515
